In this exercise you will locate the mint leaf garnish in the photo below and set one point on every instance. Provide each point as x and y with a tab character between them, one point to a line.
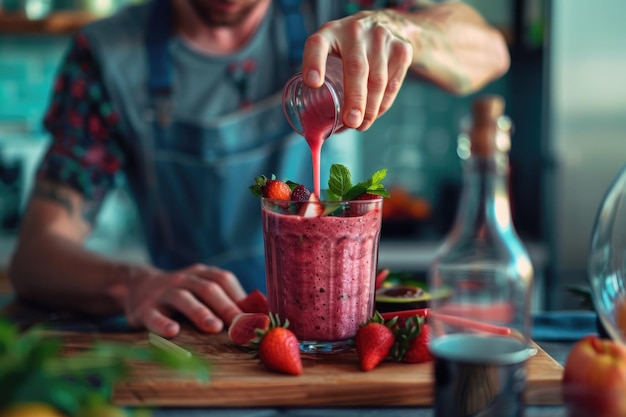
378	177
340	180
354	192
340	186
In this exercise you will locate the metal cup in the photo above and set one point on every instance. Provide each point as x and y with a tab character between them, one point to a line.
479	376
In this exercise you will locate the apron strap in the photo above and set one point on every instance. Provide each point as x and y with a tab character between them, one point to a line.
160	72
296	30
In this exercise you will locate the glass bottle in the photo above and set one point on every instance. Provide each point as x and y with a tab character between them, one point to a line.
481	281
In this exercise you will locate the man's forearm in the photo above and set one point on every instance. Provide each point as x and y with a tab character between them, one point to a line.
58	272
453	46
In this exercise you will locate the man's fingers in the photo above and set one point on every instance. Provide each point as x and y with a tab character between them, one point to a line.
399	62
314	56
378	76
375	61
199	314
156	322
213	296
225	279
355	73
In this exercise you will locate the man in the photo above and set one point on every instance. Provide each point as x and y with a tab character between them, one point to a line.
182	96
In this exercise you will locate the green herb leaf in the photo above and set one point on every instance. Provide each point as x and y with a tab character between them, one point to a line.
340	186
332	196
292	184
341	189
378	176
354	192
340	180
257	188
33	369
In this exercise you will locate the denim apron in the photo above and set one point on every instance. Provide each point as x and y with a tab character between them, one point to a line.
197	206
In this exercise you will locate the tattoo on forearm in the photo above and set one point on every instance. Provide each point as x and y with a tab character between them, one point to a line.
55	194
416	5
393	21
88	209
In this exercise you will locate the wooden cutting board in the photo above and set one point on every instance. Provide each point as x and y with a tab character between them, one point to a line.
238	380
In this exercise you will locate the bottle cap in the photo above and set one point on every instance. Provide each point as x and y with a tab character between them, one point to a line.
490	130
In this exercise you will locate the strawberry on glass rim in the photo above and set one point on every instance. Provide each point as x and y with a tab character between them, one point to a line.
340	190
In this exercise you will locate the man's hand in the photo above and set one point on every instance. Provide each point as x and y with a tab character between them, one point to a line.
447	44
375	62
205	295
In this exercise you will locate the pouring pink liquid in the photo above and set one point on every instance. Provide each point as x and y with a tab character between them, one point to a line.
318	123
315	113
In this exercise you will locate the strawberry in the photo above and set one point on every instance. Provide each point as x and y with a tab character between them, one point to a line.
277	190
373	342
381	276
367	196
278	348
411	344
311	208
360	209
271	188
300	193
418	348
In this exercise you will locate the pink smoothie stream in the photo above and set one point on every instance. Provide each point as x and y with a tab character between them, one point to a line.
317	125
321	270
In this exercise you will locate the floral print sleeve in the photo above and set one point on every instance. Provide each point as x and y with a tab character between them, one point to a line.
85	129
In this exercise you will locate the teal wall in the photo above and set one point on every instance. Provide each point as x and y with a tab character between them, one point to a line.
27	68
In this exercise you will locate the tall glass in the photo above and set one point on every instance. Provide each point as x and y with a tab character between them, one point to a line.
321	259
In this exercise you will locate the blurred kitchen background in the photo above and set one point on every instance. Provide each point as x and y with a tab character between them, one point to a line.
565	92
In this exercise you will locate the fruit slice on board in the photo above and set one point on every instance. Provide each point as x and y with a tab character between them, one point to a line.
242	330
255	302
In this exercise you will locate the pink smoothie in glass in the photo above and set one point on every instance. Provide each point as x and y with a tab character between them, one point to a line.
320	270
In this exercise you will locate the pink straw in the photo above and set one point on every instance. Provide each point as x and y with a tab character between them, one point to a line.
472	324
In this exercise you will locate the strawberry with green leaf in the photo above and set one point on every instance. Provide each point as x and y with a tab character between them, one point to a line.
411	345
278	348
373	341
340	187
270	188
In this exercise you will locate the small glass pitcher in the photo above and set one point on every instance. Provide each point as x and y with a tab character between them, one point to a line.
308	108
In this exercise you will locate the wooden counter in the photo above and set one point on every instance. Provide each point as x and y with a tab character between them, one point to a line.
239	380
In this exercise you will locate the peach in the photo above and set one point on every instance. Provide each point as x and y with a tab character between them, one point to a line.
594	378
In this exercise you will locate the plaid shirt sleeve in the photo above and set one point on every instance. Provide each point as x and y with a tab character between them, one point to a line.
85	129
